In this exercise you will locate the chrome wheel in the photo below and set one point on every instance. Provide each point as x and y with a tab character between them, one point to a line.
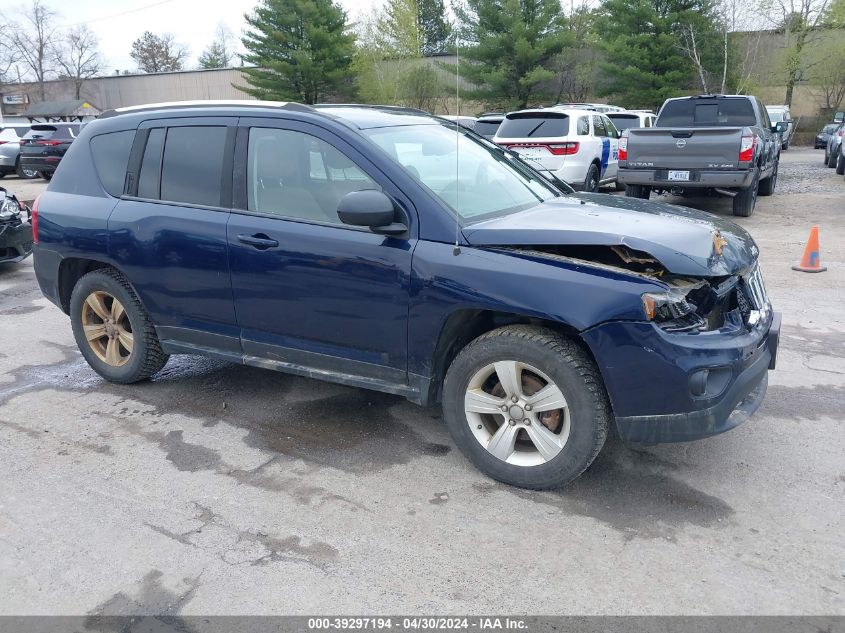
517	413
107	328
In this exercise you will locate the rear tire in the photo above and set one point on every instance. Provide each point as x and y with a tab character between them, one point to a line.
25	174
112	329
745	201
592	181
831	160
48	176
840	164
767	186
570	435
638	191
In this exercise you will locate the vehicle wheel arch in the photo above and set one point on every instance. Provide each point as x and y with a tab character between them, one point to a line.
463	326
72	269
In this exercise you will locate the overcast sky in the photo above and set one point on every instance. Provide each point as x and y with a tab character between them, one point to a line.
119	22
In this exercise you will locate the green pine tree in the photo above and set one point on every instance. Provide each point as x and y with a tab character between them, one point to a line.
435	28
646	46
508	47
301	50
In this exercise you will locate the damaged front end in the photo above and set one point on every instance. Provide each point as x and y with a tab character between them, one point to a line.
16	239
689	304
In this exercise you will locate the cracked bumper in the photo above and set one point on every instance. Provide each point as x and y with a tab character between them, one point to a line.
15	242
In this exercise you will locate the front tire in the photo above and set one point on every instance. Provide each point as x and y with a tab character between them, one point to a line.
840	164
746	199
112	329
831	160
527	406
767	186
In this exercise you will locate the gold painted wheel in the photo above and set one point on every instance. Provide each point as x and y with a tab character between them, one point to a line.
107	328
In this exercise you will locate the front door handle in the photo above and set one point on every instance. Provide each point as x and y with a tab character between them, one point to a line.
259	241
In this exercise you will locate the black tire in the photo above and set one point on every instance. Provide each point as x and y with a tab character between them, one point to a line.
831	160
571	369
767	185
2	174
826	156
46	175
25	174
618	186
592	180
746	199
638	191
840	164
147	357
784	147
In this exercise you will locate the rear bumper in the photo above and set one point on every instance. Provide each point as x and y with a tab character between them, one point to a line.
650	388
15	242
40	163
699	179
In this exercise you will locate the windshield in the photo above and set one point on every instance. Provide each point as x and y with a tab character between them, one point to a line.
624	121
829	129
776	116
694	112
473	179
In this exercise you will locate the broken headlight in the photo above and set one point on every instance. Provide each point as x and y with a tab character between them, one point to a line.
9	209
671	311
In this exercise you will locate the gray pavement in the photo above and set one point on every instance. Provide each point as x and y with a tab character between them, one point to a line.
221	489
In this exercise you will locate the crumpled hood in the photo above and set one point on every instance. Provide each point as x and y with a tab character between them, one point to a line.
680	238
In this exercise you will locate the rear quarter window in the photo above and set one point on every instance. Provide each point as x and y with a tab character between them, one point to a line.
534	125
111	156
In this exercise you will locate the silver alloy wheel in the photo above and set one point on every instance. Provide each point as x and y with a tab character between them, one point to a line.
517	413
29	173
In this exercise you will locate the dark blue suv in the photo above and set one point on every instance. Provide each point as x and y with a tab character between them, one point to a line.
390	250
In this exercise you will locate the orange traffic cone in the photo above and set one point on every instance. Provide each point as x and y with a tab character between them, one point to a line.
811	262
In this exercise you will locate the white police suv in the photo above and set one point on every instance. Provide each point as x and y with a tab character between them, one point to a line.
581	147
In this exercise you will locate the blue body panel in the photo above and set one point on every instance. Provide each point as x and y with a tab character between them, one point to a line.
349	305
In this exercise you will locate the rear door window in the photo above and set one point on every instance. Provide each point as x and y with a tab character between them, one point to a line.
192	165
583	126
598	126
534	125
111	155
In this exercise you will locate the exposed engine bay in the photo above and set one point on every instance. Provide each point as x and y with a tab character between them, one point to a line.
691	305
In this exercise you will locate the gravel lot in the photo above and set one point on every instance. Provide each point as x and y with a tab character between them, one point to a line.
221	489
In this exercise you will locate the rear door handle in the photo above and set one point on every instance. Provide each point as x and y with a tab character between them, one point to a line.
259	241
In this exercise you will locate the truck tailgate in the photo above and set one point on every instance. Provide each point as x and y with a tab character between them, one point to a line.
686	148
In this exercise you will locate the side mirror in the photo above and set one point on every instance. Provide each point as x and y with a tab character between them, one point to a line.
780	127
370	208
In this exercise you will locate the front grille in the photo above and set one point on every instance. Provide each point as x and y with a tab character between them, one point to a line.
755	298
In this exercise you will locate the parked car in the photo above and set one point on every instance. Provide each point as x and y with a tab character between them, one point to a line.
604	108
781	114
537	318
488	123
839	117
834	141
823	136
719	143
623	120
10	137
579	147
43	147
840	159
15	229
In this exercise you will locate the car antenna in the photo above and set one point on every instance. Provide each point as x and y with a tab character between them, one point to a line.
457	250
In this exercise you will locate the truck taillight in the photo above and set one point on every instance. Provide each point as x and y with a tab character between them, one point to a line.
746	149
34	219
623	146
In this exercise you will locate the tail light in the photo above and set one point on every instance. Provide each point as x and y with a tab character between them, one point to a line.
623	146
746	149
557	149
34	219
51	143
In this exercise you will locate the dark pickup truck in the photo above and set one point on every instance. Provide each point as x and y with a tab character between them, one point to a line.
725	144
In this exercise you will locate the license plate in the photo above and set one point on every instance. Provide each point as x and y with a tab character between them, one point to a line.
532	153
678	175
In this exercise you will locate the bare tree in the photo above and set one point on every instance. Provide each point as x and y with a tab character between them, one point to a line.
34	39
828	76
8	53
78	57
800	21
734	16
219	53
689	45
158	53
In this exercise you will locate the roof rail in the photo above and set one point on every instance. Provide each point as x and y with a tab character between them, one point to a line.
207	103
374	106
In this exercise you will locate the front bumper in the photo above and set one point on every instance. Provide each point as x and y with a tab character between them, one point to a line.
15	242
699	178
649	376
